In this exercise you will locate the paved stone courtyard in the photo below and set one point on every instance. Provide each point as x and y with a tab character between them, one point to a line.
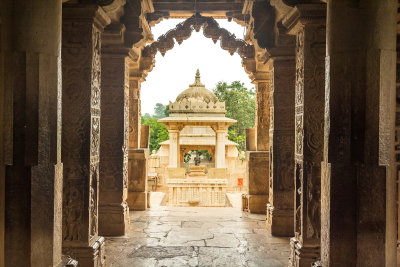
197	236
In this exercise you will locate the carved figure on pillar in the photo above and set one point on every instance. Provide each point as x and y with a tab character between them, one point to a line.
81	56
309	28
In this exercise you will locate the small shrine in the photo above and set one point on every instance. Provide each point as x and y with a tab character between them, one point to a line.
197	122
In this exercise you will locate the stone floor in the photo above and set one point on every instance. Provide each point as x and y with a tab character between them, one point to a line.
197	236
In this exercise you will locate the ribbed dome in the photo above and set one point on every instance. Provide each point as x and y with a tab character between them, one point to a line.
197	91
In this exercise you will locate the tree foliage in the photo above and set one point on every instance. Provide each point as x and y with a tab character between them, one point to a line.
240	104
158	131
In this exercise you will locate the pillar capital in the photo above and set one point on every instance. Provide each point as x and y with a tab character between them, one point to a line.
91	14
304	14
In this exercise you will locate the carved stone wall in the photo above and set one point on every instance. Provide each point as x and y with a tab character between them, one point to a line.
113	209
263	114
81	56
281	186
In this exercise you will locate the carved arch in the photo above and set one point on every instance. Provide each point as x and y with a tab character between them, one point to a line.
211	29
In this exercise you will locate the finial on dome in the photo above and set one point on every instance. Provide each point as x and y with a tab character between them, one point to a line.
197	78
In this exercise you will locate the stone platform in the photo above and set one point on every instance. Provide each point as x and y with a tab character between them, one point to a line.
196	236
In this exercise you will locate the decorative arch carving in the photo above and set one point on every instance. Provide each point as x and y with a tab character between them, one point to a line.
211	29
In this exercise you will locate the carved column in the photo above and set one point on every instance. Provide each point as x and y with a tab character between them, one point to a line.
309	28
358	176
134	111
280	208
81	58
257	170
262	81
30	125
137	185
113	209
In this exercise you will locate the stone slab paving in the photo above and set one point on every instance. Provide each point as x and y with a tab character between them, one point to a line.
196	236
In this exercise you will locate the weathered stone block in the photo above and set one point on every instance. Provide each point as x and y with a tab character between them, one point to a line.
113	219
256	203
280	221
93	255
137	200
217	173
258	172
176	173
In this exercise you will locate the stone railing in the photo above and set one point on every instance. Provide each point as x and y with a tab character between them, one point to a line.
197	192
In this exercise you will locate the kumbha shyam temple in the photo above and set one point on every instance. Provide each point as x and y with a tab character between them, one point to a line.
321	165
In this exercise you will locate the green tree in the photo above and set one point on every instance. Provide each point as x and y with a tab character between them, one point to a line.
158	132
161	111
240	104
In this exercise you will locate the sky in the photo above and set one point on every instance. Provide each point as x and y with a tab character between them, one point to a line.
176	70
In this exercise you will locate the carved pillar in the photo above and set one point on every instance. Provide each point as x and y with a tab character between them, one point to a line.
81	58
220	136
173	148
358	181
280	208
309	28
134	112
30	133
113	209
262	82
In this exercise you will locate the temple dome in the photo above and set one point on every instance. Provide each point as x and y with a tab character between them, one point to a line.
197	91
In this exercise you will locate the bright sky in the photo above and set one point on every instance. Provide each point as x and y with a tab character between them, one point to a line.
176	70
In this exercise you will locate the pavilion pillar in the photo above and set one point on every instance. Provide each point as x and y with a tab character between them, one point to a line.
81	58
358	213
309	28
31	169
280	209
220	135
174	148
113	208
134	111
262	83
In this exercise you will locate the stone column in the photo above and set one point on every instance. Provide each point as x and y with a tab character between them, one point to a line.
280	214
358	195
134	111
30	126
220	136
309	28
261	81
173	148
113	209
81	58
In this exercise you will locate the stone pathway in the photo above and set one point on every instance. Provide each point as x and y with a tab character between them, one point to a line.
197	236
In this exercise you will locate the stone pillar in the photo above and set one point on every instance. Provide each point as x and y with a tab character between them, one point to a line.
144	136
251	139
309	28
137	184
220	136
81	58
280	209
261	81
257	172
358	196
113	209
173	148
30	126
134	112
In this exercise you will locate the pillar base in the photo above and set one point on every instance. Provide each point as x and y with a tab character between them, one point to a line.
137	200
91	256
113	219
255	203
280	222
302	256
67	261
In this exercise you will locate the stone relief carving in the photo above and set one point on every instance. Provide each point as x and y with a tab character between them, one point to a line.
72	212
93	207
